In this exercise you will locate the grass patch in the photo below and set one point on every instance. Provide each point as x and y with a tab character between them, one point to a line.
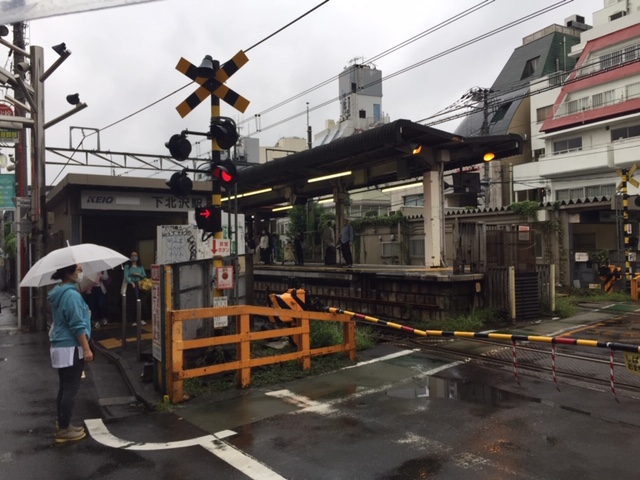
478	319
599	296
566	306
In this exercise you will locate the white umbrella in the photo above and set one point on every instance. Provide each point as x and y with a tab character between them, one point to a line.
93	258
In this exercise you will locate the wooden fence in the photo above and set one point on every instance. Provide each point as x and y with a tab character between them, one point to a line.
299	330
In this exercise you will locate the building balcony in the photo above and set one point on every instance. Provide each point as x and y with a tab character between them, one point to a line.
626	152
577	162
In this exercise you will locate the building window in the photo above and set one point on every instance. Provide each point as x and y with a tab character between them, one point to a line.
413	200
593	191
599	190
608	190
631	53
617	15
609	60
416	247
562	194
501	112
576	193
633	90
569	145
362	114
543	113
603	99
530	68
625	132
390	249
574	106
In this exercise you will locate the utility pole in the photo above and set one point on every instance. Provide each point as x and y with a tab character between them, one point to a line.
38	181
216	190
484	131
34	106
21	168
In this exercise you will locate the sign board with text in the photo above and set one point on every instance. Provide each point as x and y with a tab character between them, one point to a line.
7	190
223	321
224	278
9	131
221	247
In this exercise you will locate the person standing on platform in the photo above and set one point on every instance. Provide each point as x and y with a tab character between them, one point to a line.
347	236
265	248
329	241
97	300
133	273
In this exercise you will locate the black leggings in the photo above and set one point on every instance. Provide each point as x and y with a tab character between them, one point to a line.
69	385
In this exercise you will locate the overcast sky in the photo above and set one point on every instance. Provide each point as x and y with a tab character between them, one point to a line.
123	60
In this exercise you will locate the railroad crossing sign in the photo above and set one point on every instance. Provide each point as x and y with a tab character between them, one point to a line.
213	86
629	175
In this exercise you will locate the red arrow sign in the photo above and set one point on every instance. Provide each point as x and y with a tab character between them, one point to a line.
205	214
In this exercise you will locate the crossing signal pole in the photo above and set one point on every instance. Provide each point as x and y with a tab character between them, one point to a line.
222	132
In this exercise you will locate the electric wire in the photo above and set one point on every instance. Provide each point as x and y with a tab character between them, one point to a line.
380	55
376	57
287	25
181	88
423	62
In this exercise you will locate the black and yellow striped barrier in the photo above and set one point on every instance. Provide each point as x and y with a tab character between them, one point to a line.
496	336
631	352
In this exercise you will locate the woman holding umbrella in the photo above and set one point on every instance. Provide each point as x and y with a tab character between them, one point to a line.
69	335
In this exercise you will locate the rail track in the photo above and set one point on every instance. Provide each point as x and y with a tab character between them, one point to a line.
572	365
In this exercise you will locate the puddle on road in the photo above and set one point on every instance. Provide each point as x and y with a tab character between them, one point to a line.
451	389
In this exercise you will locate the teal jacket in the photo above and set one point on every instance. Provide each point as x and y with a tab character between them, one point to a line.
129	270
71	315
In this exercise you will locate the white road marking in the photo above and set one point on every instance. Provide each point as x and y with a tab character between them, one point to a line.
382	359
248	465
215	444
325	408
239	460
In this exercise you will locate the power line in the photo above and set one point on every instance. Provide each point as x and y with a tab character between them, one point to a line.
376	57
429	59
181	88
287	25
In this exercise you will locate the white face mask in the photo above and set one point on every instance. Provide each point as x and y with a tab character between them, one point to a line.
79	277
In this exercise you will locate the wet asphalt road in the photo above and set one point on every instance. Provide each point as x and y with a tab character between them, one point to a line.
405	415
408	416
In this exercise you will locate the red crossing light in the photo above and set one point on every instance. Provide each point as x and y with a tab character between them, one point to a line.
226	173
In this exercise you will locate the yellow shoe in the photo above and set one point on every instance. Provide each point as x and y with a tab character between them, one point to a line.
68	435
79	428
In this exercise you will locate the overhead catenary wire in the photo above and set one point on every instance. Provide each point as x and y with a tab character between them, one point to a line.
181	88
392	49
386	52
376	57
420	63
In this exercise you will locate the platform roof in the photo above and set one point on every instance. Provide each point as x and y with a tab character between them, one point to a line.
375	157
